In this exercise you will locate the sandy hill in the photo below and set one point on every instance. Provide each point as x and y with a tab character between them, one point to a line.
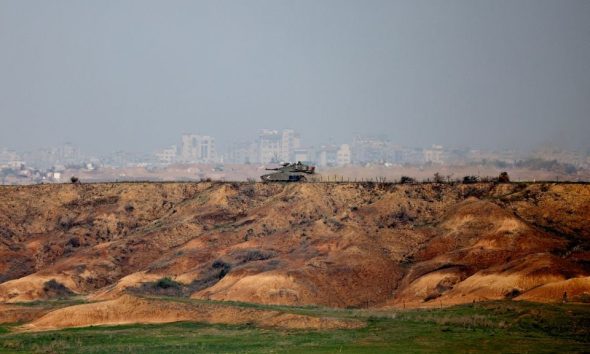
341	245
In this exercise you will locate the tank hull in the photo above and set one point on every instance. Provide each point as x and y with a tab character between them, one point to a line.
283	177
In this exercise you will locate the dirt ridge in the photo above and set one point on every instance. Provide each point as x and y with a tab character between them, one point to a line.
352	245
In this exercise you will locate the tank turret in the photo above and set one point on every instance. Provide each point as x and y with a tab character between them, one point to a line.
289	172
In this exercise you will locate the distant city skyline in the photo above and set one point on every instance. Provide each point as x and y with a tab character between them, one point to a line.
223	148
272	146
197	157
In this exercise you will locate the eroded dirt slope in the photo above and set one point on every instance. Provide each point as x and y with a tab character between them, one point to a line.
342	245
129	309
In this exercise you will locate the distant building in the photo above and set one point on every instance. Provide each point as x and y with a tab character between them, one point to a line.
56	176
370	150
343	155
16	165
167	155
9	157
434	154
69	154
302	155
44	158
198	148
405	155
327	155
242	153
275	146
289	142
269	146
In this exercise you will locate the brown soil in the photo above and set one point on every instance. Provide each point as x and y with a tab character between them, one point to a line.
14	313
341	245
128	309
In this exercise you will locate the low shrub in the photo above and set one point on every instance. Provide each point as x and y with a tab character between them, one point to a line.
55	289
470	179
167	283
251	255
504	178
222	266
407	180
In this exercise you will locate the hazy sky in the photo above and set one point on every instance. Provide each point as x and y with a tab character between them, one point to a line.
134	75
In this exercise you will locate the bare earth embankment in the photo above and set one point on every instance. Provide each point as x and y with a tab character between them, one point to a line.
350	245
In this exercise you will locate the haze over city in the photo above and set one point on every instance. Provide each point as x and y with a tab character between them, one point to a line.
135	75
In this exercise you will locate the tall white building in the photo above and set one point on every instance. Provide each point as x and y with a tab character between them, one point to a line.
434	154
197	148
275	146
289	142
269	146
343	155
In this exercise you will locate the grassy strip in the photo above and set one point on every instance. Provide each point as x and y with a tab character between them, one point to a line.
501	326
52	303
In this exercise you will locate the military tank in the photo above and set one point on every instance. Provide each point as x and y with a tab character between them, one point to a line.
289	172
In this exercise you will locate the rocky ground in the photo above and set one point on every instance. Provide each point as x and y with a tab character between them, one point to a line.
348	245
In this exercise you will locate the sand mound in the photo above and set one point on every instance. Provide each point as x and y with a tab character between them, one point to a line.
576	289
116	290
13	313
262	288
128	309
480	287
428	287
32	287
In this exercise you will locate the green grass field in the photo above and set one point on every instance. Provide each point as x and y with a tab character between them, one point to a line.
509	327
